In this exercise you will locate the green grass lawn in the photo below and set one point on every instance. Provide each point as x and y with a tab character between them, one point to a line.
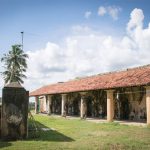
81	134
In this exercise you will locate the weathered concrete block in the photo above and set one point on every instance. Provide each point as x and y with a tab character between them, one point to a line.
0	119
14	112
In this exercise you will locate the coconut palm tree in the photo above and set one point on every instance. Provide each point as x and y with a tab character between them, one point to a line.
15	65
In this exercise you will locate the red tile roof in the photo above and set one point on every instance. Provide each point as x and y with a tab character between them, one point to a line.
127	78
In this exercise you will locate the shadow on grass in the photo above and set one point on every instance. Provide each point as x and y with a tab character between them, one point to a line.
45	133
4	144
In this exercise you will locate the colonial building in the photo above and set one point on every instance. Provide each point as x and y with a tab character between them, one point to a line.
121	95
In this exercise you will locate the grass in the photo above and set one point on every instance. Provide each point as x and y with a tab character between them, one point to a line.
82	135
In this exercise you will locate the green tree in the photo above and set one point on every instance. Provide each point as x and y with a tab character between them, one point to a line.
14	64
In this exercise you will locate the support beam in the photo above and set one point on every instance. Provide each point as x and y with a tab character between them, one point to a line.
83	107
36	104
63	105
49	104
148	104
110	106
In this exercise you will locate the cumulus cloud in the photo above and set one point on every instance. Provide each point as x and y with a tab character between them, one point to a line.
102	11
136	19
87	14
45	64
138	37
112	11
87	52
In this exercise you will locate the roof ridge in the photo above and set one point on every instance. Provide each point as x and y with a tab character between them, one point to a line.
105	73
139	68
126	78
110	72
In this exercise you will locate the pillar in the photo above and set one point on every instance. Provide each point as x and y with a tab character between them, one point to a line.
14	114
49	104
148	104
83	108
44	104
63	105
110	106
36	104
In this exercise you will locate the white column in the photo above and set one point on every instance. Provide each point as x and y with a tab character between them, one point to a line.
63	103
36	104
110	106
148	104
82	108
49	104
83	111
44	104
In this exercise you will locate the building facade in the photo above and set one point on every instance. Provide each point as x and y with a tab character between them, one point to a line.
121	95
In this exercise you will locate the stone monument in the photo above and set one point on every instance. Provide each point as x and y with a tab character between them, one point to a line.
14	112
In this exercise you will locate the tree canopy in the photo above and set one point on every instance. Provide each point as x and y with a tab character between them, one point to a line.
14	64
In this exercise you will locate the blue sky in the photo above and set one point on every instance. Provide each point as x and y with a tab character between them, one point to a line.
72	38
50	20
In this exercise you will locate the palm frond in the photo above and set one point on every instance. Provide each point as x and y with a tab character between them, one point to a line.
14	64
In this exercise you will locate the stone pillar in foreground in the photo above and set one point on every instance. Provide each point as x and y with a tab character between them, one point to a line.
14	112
36	105
83	108
63	105
148	104
110	106
49	104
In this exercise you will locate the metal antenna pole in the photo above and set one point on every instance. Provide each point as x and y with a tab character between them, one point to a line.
22	38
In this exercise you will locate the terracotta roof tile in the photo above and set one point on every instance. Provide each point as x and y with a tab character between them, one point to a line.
127	78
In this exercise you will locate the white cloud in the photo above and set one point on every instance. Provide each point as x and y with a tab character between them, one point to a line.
87	52
102	11
136	19
87	14
44	65
112	11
